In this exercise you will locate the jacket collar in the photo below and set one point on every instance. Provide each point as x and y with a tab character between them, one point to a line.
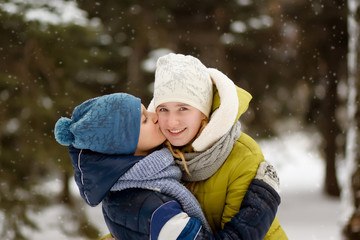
96	173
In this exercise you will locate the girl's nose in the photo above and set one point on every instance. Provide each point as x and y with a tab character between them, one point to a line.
172	120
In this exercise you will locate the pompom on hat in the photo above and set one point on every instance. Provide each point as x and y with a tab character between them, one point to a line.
109	124
183	78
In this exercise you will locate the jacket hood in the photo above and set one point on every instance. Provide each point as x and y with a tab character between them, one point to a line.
229	103
96	173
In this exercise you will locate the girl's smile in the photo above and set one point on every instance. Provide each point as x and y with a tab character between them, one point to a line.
176	131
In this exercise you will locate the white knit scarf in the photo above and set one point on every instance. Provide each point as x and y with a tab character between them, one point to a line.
203	165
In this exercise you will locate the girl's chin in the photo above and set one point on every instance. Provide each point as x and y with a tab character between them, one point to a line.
177	144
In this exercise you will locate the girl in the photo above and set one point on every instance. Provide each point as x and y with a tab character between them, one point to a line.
198	112
112	144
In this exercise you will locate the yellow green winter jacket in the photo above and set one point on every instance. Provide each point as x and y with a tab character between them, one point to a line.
220	196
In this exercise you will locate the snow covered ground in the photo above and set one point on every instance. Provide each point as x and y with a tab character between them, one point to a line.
305	213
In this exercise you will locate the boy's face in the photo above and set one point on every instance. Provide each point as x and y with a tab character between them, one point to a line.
179	122
150	134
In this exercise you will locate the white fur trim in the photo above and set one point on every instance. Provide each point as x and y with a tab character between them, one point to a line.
224	117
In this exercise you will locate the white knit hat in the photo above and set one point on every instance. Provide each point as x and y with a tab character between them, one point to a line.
180	78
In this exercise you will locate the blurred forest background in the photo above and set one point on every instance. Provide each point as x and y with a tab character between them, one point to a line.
291	55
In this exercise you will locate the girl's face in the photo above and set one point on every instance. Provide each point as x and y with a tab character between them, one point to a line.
179	122
150	134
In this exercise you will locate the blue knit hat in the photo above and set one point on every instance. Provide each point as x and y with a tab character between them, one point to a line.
109	124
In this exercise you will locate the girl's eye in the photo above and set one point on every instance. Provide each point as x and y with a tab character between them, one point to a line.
162	110
183	109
